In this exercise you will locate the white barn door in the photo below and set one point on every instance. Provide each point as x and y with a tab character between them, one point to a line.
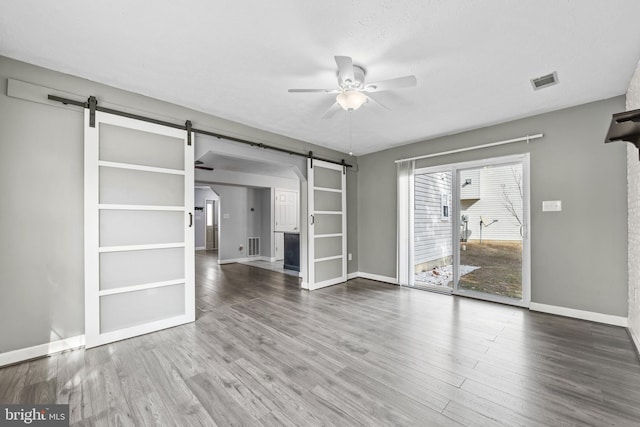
327	208
139	239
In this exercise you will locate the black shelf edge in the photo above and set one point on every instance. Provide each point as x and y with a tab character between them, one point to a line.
625	126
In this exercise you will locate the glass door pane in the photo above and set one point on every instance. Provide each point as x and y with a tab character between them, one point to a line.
432	230
139	239
491	230
326	204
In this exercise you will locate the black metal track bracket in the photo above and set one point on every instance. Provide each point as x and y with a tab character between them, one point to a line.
93	105
311	158
187	126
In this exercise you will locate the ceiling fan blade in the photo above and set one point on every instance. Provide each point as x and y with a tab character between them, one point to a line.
397	83
332	111
313	90
345	69
375	101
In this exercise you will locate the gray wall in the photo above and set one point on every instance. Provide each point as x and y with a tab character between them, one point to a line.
42	251
579	257
233	221
352	219
266	215
237	203
41	149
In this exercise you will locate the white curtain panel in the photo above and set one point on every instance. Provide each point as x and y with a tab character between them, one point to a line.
406	172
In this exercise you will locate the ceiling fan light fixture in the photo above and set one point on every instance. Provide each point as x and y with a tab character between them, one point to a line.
351	100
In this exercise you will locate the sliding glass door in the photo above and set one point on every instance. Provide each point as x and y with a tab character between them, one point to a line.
432	230
469	229
492	231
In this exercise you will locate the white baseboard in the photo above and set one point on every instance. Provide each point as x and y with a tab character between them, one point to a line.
376	277
580	314
247	259
231	261
201	248
28	353
325	284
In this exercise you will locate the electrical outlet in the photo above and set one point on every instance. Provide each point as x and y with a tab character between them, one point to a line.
552	206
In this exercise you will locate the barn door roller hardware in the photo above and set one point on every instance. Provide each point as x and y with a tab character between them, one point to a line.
187	126
92	105
625	127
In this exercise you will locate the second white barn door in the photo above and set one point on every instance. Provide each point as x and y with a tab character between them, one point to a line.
327	200
139	239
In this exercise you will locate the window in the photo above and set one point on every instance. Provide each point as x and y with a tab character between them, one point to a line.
445	206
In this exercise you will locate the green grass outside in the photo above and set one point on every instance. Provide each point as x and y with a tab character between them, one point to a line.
500	271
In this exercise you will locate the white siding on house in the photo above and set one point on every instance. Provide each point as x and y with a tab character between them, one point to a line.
498	186
432	234
472	190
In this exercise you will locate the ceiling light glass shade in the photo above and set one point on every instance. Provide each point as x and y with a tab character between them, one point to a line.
351	100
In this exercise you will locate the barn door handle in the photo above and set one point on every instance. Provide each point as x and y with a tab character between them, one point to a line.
313	220
190	220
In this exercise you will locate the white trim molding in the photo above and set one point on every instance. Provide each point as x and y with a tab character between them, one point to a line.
41	350
326	283
201	248
580	314
376	277
234	260
527	138
353	275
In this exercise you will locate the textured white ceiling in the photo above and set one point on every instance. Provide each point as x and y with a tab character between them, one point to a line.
236	164
473	59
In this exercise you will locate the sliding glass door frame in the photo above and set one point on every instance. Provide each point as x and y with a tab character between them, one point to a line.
455	169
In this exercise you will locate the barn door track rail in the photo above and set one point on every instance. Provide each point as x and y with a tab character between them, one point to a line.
92	105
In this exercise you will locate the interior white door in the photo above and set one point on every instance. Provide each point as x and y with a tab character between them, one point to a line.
139	236
210	215
286	210
327	207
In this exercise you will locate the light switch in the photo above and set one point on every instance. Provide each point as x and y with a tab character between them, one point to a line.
225	216
552	206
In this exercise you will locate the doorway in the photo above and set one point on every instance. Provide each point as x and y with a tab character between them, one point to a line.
211	225
469	229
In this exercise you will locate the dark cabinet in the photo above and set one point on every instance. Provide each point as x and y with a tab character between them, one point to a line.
292	251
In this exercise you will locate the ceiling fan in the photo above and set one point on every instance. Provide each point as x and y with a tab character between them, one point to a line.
353	91
199	164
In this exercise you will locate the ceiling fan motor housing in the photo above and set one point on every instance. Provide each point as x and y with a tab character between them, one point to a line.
358	77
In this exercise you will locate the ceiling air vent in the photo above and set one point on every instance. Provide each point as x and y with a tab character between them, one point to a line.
545	81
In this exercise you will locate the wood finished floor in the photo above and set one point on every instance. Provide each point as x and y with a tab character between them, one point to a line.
262	352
